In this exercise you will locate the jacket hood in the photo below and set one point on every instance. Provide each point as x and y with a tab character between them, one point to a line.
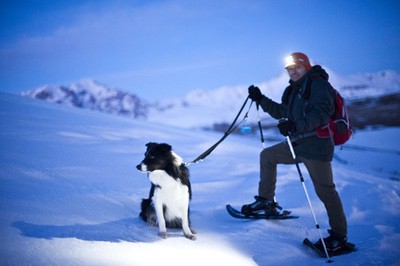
318	72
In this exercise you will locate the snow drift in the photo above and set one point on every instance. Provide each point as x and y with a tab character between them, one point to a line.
70	194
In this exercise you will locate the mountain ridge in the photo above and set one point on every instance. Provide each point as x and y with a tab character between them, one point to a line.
209	109
91	94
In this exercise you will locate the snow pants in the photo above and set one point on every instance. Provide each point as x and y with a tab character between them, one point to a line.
321	176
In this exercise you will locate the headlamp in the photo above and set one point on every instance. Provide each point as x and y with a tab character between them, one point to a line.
297	59
289	61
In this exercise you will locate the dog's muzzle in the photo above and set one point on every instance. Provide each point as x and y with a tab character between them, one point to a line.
141	167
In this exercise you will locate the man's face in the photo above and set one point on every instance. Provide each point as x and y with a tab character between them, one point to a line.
296	72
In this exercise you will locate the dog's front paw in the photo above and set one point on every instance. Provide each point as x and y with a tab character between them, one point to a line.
163	234
191	237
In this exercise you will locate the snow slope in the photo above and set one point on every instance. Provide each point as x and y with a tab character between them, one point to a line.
70	194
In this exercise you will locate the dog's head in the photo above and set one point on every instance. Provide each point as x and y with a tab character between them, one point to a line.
158	156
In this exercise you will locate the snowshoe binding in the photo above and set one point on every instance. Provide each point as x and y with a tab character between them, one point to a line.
268	207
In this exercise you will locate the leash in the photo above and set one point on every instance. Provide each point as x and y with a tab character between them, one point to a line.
231	128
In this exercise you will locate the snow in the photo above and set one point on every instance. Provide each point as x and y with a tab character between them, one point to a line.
70	194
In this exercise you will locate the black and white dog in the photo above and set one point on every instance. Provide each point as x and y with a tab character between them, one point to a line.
170	193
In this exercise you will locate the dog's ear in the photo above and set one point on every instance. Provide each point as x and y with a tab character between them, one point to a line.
165	147
151	144
177	160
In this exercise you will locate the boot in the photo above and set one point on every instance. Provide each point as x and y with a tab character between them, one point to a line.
334	242
261	204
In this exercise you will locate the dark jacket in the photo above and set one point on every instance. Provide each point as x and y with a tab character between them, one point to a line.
309	102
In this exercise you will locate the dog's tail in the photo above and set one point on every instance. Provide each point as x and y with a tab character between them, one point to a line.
146	206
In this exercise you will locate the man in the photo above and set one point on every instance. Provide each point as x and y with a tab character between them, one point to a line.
307	104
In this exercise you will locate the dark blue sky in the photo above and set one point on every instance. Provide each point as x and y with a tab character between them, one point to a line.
160	49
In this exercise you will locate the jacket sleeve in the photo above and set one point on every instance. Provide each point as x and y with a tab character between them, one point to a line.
319	107
274	109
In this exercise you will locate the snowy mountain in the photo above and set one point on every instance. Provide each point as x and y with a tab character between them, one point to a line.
210	109
90	94
70	194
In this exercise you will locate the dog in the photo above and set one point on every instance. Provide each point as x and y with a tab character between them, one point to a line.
170	192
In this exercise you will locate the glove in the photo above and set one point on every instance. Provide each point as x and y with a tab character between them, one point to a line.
255	94
286	126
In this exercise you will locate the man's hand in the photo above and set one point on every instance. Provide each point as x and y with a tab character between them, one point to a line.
255	94
286	126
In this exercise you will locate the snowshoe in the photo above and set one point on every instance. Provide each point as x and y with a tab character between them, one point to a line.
335	245
259	214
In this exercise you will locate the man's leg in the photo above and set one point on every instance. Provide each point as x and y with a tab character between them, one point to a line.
269	159
322	177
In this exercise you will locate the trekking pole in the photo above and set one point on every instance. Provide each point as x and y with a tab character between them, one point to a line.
308	197
259	126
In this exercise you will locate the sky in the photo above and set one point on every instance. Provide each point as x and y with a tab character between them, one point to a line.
165	49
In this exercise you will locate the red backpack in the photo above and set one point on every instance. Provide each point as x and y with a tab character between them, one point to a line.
339	124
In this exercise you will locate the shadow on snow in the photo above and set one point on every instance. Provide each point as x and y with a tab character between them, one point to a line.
128	229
